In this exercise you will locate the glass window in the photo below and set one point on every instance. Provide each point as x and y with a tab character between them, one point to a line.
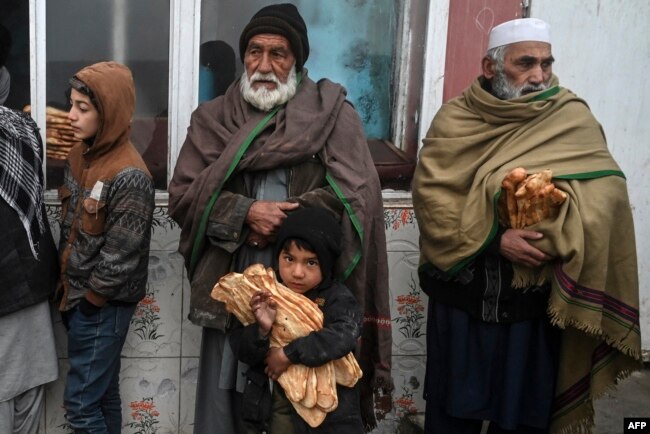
361	58
14	54
370	47
133	33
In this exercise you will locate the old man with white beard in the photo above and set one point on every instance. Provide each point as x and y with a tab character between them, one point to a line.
275	142
526	326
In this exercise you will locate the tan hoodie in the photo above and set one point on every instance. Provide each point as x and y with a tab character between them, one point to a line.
107	200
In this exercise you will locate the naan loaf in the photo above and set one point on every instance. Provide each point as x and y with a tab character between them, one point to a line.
311	390
528	199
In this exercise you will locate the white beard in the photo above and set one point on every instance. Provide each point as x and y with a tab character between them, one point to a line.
263	98
502	88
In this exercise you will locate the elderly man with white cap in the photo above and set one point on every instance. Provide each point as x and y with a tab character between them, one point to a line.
527	322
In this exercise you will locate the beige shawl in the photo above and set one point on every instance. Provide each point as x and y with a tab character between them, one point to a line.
473	142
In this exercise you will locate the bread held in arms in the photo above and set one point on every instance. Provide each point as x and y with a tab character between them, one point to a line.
528	199
312	391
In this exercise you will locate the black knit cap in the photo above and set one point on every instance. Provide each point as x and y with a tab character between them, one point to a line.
320	230
281	19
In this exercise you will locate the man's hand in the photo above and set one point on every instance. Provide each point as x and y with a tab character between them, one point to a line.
515	248
276	363
265	216
265	309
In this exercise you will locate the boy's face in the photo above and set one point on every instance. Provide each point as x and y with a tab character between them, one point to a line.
83	116
299	269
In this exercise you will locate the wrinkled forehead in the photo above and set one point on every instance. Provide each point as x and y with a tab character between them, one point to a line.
270	40
540	50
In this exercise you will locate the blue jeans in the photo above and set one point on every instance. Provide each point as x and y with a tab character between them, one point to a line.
92	394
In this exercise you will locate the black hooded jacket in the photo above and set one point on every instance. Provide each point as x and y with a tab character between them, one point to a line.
341	329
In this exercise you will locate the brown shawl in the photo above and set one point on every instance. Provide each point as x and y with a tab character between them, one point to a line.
316	121
473	142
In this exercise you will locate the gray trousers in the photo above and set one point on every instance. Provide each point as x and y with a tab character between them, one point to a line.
21	414
217	409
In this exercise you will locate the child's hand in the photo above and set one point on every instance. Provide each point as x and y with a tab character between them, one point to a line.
264	308
276	363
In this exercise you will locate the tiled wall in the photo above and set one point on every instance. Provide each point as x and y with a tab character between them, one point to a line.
161	354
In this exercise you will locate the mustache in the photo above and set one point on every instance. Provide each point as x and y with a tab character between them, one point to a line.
269	76
530	88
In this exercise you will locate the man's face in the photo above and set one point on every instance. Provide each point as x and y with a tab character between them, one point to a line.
268	53
83	116
270	77
527	67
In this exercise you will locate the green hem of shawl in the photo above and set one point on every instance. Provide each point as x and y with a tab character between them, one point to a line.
546	94
495	225
592	175
355	222
198	241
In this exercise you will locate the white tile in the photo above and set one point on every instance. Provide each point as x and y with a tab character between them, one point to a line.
60	333
150	386
53	217
165	232
150	392
401	230
55	422
407	304
189	375
408	376
155	329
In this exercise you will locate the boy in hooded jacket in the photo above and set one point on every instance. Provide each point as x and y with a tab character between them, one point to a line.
107	204
308	244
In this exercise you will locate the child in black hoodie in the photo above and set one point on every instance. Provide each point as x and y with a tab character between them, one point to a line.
308	244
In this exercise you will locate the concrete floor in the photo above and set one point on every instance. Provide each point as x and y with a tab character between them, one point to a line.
630	399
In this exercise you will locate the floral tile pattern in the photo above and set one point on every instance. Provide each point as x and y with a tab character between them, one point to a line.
410	319
150	395
144	416
401	230
408	304
408	375
161	355
165	232
155	329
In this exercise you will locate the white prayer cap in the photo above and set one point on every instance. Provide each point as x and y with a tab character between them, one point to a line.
519	30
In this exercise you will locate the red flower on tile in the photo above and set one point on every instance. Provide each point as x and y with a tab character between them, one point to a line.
144	414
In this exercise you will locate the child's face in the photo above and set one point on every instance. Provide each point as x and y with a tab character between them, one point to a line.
83	116
299	269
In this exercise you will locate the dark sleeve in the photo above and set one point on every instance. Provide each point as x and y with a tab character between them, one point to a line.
248	345
495	245
341	329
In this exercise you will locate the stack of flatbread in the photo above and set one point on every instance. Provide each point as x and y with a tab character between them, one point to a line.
312	391
58	132
528	199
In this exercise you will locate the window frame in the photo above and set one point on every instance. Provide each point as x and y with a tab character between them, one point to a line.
417	91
